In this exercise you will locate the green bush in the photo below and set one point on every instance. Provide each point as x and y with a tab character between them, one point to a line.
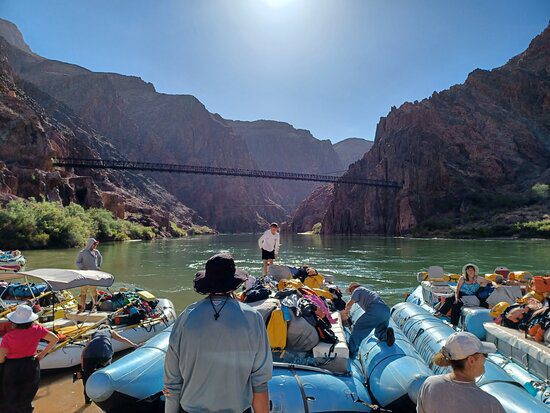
542	191
534	228
31	224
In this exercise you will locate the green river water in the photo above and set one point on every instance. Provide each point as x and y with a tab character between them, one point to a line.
387	265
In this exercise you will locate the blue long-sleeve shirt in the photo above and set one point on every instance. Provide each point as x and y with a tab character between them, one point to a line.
216	365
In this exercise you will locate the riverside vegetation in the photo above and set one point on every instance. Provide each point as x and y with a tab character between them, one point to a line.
490	214
32	224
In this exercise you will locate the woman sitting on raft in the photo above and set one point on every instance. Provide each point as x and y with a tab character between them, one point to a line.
457	392
468	285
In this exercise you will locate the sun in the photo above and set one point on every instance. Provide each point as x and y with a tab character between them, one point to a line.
277	3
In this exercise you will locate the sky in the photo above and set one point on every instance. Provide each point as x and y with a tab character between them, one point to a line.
333	67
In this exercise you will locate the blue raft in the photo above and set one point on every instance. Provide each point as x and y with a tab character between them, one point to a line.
387	376
428	333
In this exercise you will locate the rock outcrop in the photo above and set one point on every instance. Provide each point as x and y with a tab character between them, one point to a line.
278	146
149	126
312	210
471	149
350	150
30	135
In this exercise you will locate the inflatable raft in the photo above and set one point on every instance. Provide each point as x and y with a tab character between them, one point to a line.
74	328
10	262
428	333
525	361
381	376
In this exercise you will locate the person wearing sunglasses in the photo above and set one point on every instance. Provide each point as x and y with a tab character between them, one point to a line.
457	392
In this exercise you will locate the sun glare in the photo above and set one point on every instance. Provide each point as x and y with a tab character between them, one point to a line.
277	3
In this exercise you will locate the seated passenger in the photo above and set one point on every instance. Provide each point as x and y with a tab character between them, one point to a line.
457	392
468	285
376	316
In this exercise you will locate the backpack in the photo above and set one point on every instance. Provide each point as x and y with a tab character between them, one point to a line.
277	330
325	331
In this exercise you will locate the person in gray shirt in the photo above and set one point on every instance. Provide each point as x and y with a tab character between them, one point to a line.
218	358
457	392
89	259
376	316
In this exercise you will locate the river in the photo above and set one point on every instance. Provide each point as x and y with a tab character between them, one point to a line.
388	265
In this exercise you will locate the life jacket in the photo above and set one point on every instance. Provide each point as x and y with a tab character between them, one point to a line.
277	330
315	281
541	284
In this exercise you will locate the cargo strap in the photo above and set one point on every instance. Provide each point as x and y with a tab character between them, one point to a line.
302	391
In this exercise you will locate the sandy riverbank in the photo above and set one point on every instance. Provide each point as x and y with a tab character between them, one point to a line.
58	393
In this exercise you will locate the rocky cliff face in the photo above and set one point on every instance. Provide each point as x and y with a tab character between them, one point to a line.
476	146
149	126
351	150
278	146
312	209
34	127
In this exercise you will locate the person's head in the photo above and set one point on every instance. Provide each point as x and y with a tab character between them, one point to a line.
465	353
470	271
352	287
274	227
515	315
92	244
23	317
220	276
311	271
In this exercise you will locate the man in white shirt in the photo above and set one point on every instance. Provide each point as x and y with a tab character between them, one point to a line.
269	245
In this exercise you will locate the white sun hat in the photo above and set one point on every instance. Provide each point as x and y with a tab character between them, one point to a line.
22	314
461	345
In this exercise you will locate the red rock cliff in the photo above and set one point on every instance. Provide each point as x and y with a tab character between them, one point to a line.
472	145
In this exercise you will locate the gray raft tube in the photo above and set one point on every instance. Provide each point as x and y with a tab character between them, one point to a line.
428	333
393	374
134	383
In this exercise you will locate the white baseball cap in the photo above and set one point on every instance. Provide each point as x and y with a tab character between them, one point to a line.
461	345
22	314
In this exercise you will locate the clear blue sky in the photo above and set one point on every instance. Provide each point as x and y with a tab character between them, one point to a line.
331	66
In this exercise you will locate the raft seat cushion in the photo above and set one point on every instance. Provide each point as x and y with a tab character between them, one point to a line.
533	356
336	354
87	316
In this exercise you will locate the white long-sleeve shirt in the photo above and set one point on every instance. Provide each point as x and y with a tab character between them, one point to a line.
269	241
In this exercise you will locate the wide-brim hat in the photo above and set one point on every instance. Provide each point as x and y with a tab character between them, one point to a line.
219	276
475	267
23	314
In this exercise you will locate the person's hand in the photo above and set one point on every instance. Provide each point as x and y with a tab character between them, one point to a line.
138	345
457	300
38	357
166	392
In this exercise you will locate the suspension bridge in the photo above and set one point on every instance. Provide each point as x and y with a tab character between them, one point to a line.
211	170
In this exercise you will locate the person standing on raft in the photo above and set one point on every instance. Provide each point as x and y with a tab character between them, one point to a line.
19	362
89	259
269	244
376	316
218	357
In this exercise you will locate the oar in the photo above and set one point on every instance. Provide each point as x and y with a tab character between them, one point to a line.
79	333
13	307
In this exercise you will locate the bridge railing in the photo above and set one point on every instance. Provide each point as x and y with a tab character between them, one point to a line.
212	170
